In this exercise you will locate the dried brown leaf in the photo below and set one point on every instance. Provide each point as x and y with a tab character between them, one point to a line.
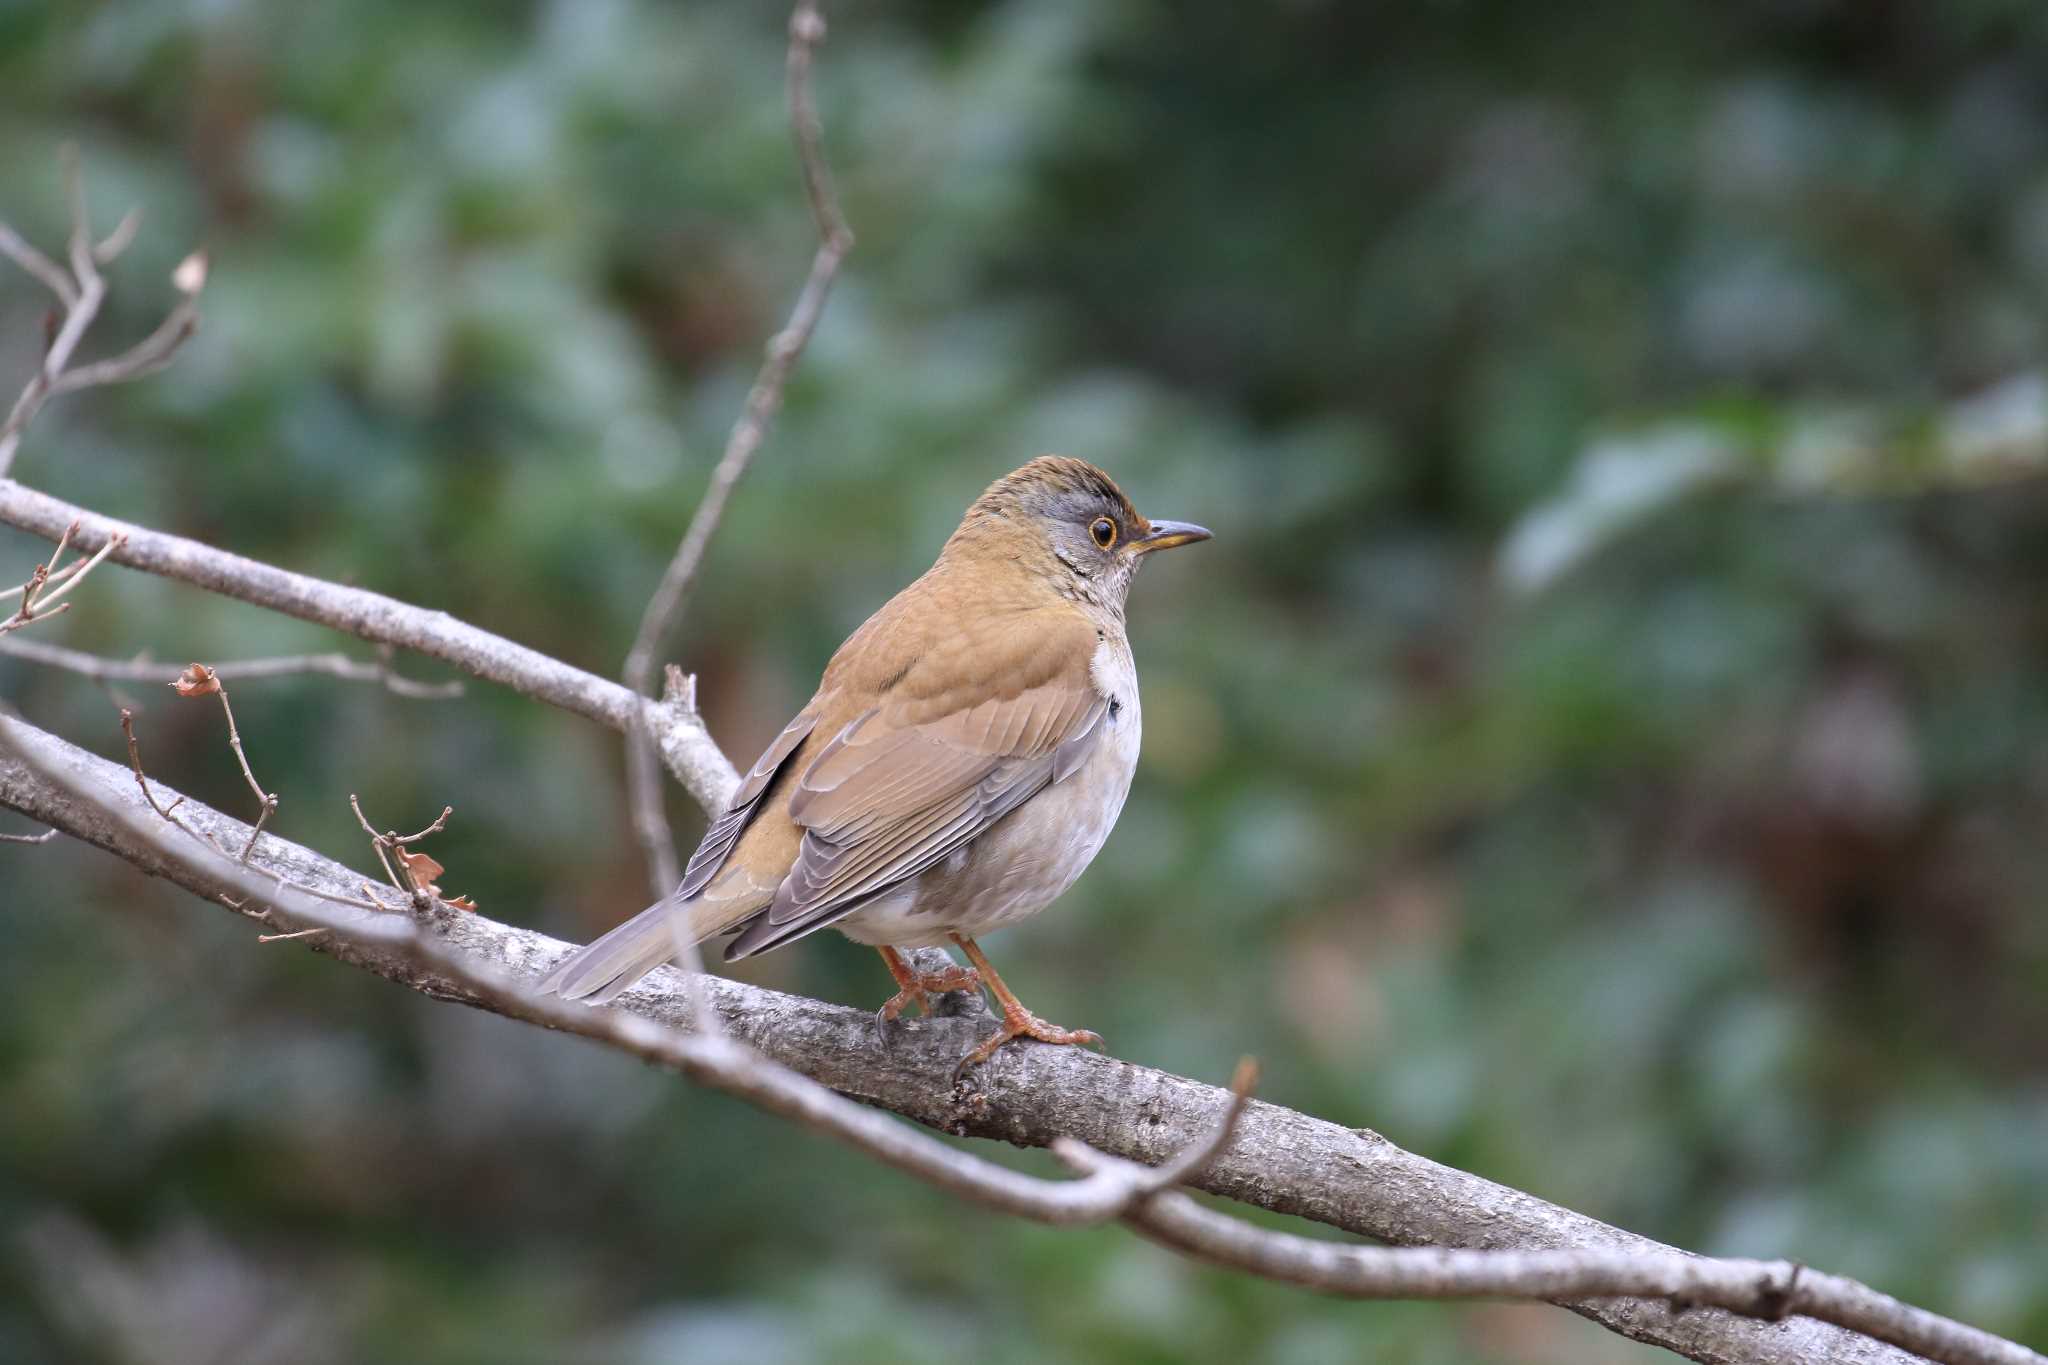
196	681
420	869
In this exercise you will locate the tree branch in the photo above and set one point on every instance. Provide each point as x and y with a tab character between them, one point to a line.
665	608
685	746
1760	1289
147	670
79	296
1277	1159
408	943
49	583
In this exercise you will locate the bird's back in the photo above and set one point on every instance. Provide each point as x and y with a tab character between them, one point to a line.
986	667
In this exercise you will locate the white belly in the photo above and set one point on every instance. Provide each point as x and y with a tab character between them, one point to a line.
1023	862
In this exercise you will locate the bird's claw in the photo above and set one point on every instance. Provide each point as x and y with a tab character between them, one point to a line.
1027	1025
922	991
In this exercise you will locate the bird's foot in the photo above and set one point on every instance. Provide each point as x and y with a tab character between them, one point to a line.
1022	1023
922	989
918	990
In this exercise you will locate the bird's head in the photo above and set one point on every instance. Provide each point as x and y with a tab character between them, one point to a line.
1068	521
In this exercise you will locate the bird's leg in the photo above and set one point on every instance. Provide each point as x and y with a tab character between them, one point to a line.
917	988
1018	1022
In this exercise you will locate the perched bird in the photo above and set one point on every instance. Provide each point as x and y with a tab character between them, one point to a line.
962	762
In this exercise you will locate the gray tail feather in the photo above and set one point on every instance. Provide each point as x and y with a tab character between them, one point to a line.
608	967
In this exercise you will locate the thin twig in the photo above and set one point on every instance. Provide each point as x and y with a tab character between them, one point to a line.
44	594
80	294
18	249
806	33
197	681
685	746
206	839
144	669
378	845
40	579
117	241
52	581
1147	1181
141	781
49	583
665	608
42	838
154	351
440	823
419	890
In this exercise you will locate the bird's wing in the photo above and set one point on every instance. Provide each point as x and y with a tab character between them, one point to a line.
944	753
725	831
601	970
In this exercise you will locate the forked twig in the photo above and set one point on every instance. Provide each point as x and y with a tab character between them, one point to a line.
51	581
169	816
142	781
80	292
420	870
198	681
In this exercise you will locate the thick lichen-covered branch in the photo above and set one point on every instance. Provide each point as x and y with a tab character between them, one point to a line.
1110	1110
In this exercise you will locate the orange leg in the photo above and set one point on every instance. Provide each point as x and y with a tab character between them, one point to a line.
912	988
1018	1022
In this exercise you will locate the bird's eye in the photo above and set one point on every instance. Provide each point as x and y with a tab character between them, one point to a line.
1104	531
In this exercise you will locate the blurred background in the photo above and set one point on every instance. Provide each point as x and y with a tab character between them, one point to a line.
1605	746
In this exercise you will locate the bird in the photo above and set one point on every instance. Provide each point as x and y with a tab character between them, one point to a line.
962	762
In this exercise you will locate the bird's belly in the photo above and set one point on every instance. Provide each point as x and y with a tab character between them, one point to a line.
1023	862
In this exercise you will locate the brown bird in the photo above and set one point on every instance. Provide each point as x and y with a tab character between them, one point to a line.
962	762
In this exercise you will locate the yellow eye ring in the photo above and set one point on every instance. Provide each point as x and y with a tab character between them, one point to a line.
1104	532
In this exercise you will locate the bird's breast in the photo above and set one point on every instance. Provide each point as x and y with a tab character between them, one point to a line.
1023	862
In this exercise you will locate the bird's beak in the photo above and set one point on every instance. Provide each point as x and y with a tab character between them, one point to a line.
1164	535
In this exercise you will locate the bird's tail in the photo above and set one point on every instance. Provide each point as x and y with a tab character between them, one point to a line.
601	971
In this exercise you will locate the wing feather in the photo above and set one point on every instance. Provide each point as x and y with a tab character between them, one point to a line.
913	779
725	831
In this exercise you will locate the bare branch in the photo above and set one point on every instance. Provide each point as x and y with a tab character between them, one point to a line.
711	1059
1278	1159
84	268
294	934
197	681
59	583
209	840
18	249
1761	1289
386	844
665	609
144	669
685	746
42	838
80	295
119	239
379	844
806	33
50	582
440	823
142	781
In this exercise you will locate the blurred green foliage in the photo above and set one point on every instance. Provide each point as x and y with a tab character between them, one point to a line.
1680	861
